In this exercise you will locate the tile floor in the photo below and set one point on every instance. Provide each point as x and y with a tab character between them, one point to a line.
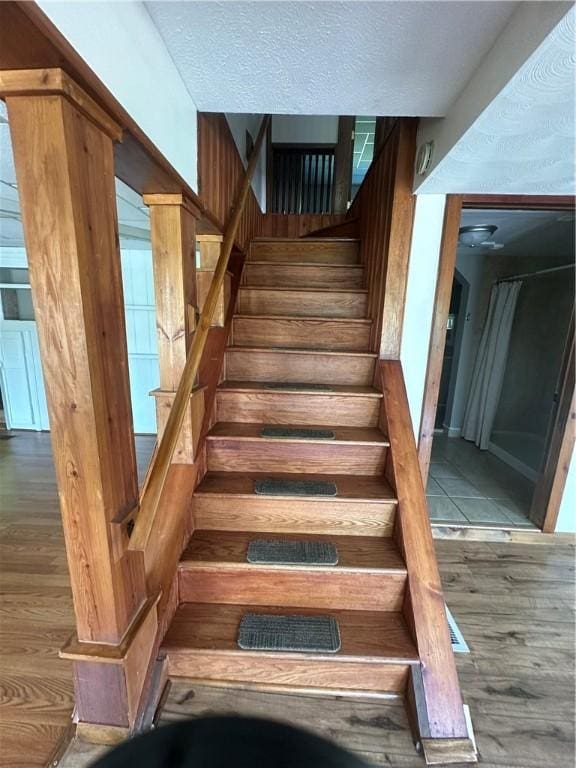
472	487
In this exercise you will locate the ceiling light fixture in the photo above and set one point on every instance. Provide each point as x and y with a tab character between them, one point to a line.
478	235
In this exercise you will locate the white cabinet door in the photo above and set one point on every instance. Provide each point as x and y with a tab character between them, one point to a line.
20	367
138	283
21	376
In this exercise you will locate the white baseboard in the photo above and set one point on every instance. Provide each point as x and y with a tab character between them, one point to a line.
513	462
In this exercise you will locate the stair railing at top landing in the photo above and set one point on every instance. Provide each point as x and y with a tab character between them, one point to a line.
162	458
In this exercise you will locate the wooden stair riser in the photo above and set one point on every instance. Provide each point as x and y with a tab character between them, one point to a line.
251	668
375	654
295	408
269	514
305	250
262	301
303	275
306	457
300	333
321	587
261	365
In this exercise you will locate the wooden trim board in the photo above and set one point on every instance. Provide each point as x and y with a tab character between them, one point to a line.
445	276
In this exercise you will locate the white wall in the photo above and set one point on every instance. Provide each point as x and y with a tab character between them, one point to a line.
566	522
510	130
239	124
119	41
304	129
420	292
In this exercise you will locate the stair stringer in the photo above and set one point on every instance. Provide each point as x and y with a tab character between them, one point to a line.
436	709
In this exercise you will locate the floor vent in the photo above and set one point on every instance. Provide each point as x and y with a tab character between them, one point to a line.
459	645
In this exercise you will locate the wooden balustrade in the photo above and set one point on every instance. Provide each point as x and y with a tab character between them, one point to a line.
436	695
384	210
302	180
156	479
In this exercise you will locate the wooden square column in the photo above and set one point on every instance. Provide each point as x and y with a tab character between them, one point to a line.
173	227
63	153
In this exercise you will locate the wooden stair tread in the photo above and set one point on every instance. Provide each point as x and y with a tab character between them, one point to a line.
335	389
380	636
287	289
305	319
299	351
350	487
301	331
312	265
307	240
307	274
297	365
252	431
359	553
324	300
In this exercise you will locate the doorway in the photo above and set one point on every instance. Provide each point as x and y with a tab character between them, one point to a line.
500	481
454	333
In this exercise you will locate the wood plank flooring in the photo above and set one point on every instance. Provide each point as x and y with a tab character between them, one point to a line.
514	604
36	617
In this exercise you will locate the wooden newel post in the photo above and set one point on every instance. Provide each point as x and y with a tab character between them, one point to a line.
63	152
173	227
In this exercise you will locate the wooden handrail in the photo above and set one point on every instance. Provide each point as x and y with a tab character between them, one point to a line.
158	471
441	707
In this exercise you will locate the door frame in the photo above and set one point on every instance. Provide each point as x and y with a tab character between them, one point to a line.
552	480
559	444
458	336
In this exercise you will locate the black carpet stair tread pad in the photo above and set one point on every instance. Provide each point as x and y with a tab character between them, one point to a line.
275	486
298	433
270	632
285	552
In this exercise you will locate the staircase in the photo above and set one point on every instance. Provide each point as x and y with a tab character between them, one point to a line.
299	357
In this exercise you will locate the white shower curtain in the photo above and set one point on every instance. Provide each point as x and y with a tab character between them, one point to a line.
490	364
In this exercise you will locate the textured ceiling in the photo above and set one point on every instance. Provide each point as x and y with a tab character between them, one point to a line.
357	58
521	232
523	142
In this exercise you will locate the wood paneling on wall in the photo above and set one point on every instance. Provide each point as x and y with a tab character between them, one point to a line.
297	224
220	172
384	208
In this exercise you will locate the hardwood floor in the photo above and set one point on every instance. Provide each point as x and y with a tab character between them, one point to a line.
514	604
36	617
